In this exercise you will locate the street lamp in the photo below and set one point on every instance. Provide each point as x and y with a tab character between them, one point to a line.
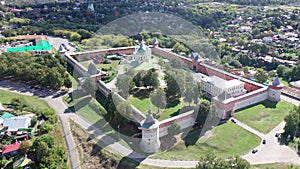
118	132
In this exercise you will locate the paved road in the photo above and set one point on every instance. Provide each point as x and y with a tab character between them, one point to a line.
273	151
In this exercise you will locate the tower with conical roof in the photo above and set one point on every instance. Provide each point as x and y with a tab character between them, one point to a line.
274	92
150	134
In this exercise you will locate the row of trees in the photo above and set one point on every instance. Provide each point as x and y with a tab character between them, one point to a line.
42	69
289	74
47	154
292	126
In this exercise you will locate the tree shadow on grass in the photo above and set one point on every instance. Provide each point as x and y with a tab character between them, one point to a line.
85	101
192	137
127	162
142	93
269	104
182	110
172	102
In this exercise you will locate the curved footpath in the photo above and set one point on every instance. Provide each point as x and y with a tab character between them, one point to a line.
269	153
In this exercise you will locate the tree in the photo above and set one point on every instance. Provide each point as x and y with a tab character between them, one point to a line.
172	86
46	127
158	99
281	70
75	36
138	79
174	129
261	76
292	122
123	84
203	111
211	161
151	79
125	110
176	62
246	69
24	147
189	92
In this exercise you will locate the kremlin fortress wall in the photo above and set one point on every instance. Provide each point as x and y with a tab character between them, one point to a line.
255	92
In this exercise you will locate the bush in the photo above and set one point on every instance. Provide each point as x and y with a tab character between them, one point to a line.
33	121
46	127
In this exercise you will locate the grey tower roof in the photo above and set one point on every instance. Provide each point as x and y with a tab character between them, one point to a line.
62	49
149	121
276	82
92	70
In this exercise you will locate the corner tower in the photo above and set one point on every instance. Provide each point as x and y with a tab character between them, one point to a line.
274	91
150	134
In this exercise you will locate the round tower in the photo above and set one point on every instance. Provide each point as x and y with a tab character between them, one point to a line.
150	134
274	92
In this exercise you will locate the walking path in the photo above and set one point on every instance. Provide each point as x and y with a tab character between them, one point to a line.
271	152
250	129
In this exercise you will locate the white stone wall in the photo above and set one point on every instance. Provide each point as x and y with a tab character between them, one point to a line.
181	120
251	100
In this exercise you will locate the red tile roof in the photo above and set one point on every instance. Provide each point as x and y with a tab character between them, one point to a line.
11	147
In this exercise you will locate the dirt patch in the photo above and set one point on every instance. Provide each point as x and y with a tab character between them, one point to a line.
91	155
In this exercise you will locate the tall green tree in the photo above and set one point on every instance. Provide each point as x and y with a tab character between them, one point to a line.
151	79
261	76
158	98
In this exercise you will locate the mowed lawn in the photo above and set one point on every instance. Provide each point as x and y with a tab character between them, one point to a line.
264	116
6	97
227	140
144	104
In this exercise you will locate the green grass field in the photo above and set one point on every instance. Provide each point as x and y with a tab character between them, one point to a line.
6	97
264	116
227	140
144	104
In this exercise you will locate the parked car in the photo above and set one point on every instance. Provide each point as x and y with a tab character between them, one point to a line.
233	121
254	151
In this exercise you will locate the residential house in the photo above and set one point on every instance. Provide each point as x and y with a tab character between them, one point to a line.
11	149
15	123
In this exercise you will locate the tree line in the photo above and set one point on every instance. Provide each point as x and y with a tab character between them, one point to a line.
44	69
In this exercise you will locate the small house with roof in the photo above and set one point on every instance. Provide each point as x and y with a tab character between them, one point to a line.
11	149
6	115
15	123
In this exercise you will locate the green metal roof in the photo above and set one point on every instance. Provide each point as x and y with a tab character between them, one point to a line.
40	45
7	116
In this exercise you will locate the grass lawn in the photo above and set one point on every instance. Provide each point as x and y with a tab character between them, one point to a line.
6	97
74	81
85	63
144	104
111	69
264	116
227	140
285	83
